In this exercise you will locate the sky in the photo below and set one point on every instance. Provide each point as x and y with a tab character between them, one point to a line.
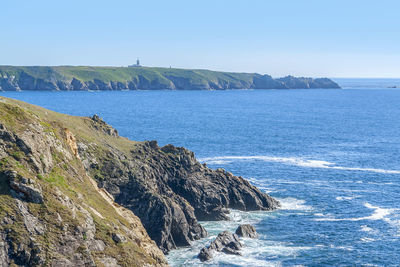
324	38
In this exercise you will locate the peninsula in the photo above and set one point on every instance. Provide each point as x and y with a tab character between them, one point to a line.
65	78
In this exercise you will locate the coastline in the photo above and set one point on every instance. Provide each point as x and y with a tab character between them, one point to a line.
81	78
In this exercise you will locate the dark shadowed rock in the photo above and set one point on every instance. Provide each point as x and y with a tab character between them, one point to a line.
118	238
246	230
205	254
169	190
225	242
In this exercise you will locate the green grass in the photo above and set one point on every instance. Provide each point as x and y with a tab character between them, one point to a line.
160	78
121	74
55	178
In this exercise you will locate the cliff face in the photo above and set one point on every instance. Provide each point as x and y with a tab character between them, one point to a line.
170	190
51	212
75	193
113	78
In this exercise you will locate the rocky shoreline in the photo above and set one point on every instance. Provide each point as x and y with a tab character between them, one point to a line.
76	193
169	190
80	78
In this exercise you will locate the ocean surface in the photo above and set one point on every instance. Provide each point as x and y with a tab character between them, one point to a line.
331	157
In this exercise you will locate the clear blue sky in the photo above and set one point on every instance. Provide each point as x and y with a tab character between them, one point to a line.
332	38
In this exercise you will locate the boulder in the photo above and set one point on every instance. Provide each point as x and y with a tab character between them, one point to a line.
225	242
246	230
118	238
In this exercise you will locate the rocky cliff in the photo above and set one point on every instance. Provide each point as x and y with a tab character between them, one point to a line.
75	193
14	78
51	212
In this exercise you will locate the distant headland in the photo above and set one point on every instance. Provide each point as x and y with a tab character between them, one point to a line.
137	77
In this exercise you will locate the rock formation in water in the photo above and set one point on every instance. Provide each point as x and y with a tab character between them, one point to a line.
246	230
225	242
75	193
80	78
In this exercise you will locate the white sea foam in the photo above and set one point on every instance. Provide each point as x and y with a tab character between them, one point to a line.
367	239
378	214
344	198
365	228
297	161
291	203
218	162
254	252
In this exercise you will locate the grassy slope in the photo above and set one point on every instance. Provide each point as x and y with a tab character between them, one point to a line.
68	176
120	74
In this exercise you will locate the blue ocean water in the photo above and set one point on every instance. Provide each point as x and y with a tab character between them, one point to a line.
330	156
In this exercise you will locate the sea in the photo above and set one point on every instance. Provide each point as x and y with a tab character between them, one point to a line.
331	157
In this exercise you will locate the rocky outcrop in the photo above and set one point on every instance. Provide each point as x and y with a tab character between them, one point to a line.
225	242
246	230
67	78
170	190
24	188
100	125
291	82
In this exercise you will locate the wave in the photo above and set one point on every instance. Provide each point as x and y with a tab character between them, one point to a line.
365	228
291	203
367	239
295	161
345	198
255	252
378	214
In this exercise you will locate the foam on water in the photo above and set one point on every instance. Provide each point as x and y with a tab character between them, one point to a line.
291	203
365	228
255	252
367	239
378	214
297	161
344	198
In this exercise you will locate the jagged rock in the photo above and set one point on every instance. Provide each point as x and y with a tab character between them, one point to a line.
225	242
118	238
170	190
25	188
100	125
205	254
32	223
246	230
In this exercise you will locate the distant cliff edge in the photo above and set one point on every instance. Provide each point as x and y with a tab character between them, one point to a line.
81	78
